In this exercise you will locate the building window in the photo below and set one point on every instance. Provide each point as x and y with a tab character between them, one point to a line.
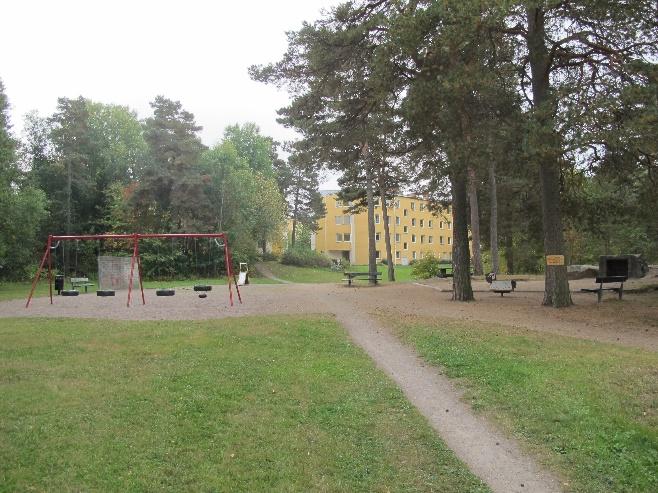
449	225
413	238
397	204
339	237
339	219
406	229
422	239
440	224
413	206
377	254
448	240
376	218
377	236
429	223
421	254
397	220
405	245
397	254
397	237
422	208
430	240
405	212
422	223
339	203
440	240
347	237
413	222
413	255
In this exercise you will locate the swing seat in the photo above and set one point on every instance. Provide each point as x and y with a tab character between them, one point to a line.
165	292
202	287
203	295
105	292
70	292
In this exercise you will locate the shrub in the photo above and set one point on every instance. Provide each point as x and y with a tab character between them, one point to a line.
426	267
305	257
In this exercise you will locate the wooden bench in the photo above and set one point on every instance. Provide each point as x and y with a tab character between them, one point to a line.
607	280
77	282
350	277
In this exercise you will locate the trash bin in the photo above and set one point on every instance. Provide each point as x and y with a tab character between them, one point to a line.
59	283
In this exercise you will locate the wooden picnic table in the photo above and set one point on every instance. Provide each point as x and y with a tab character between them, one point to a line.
365	276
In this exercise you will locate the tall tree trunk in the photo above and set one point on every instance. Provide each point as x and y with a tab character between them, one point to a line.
461	259
69	196
546	142
509	253
370	197
493	223
295	210
475	222
387	235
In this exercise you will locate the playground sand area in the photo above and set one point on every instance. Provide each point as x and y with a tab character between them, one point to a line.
632	321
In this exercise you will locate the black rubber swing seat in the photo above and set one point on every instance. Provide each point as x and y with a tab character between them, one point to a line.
203	295
165	292
70	292
105	292
202	287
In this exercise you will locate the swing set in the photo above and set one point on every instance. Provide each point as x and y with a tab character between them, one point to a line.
135	261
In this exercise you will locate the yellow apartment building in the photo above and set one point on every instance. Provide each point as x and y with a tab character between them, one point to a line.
414	231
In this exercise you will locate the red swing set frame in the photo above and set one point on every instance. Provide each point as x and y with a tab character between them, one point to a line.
135	259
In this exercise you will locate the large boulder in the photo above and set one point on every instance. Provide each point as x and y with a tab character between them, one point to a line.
582	271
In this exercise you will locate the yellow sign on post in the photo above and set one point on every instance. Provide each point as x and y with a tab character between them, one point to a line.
554	259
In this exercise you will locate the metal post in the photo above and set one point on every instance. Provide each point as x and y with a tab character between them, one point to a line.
139	273
46	254
228	271
230	261
132	268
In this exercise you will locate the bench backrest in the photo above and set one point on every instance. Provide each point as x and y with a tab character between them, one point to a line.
603	280
79	279
501	285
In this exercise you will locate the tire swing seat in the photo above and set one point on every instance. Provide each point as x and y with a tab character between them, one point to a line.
202	287
70	292
165	292
105	292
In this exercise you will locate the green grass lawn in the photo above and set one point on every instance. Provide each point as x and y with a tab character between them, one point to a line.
18	290
248	404
589	409
322	275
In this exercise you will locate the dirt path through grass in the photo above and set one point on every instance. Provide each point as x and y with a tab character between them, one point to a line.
265	271
494	458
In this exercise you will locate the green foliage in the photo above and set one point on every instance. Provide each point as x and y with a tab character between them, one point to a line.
22	207
426	267
305	257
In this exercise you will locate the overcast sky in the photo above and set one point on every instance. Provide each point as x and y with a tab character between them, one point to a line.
127	52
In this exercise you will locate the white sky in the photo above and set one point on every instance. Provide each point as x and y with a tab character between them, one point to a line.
127	52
